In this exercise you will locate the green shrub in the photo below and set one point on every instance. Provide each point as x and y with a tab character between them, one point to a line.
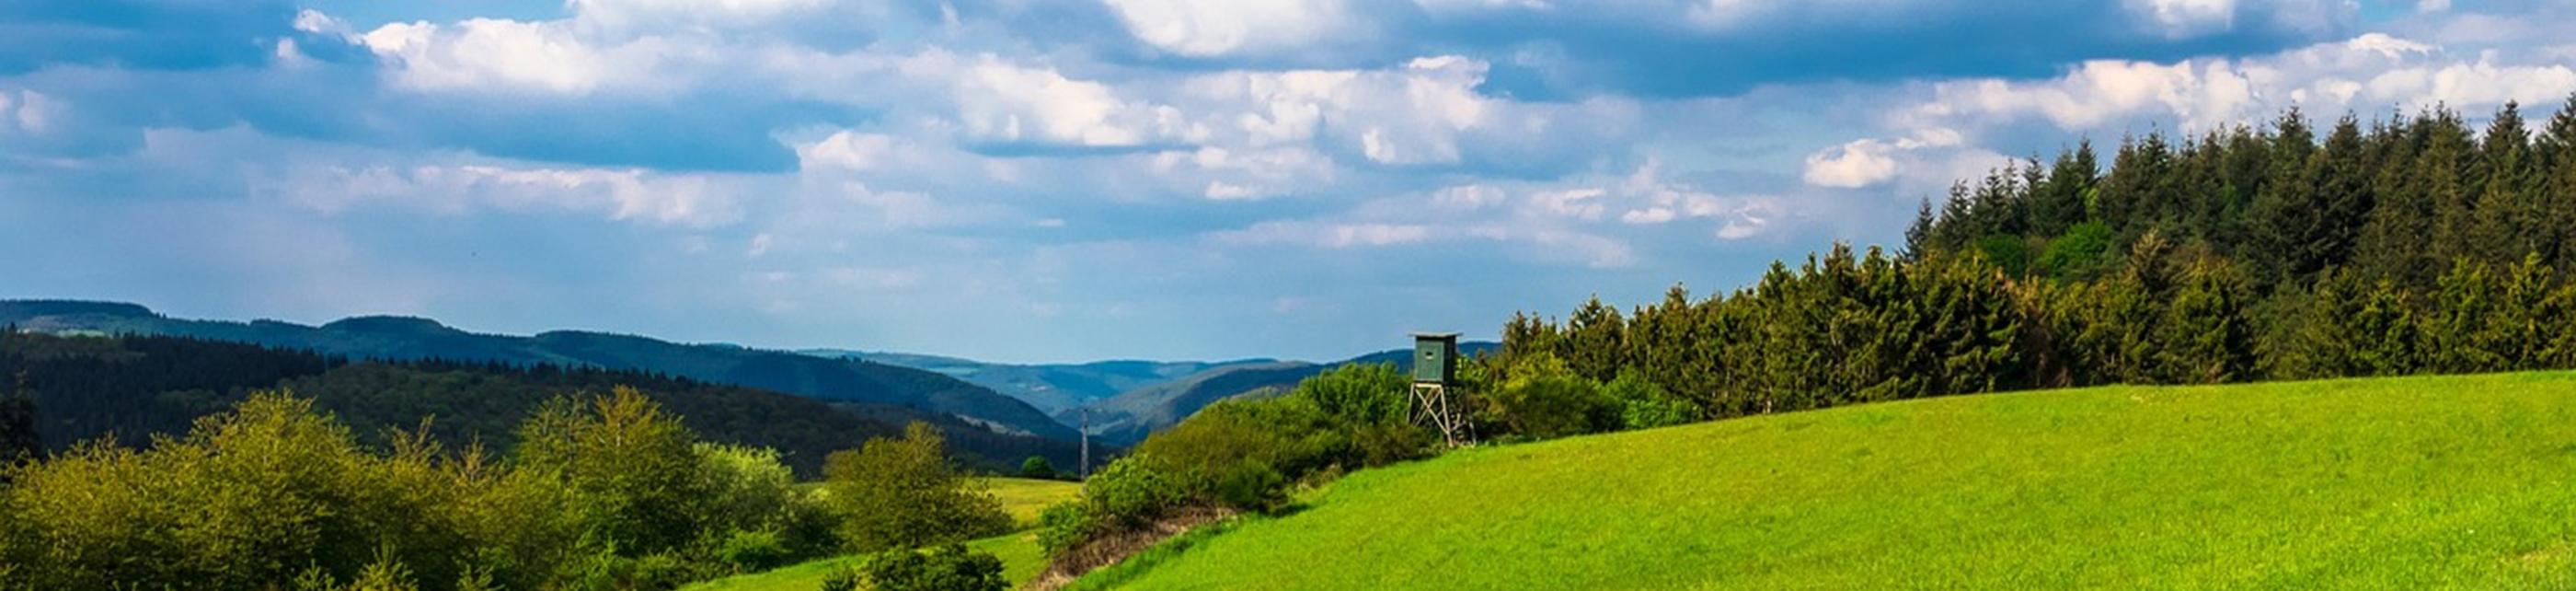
2007	252
946	568
1252	486
753	551
904	493
1644	405
2080	253
1037	467
1064	525
842	579
1542	399
1131	490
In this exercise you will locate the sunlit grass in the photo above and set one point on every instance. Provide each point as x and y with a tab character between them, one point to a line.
2412	483
1021	557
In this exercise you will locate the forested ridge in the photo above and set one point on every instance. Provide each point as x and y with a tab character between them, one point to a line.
2412	244
136	387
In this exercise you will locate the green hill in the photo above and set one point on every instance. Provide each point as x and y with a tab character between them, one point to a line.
394	338
2406	483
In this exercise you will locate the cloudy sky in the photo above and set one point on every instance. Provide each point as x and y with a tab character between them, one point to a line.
1079	179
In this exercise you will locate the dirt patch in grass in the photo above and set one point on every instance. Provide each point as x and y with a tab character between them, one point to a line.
1110	549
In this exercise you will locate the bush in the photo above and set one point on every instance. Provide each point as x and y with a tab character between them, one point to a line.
753	551
1542	399
842	579
2080	253
904	493
1037	467
946	568
1644	405
1252	486
1065	525
1131	490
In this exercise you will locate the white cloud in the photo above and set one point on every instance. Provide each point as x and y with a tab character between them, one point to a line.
636	14
547	56
1205	28
1860	163
2367	73
2187	18
1324	234
1001	101
32	112
621	194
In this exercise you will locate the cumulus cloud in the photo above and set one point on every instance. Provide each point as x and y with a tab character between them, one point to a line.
508	55
1202	28
627	194
2367	73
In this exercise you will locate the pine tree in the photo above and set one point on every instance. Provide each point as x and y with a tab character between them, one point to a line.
2509	199
2058	202
2556	189
2445	167
2206	337
1594	337
2286	224
2395	243
1918	236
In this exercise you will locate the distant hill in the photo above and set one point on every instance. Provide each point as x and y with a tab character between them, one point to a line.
1050	387
137	387
1128	417
405	338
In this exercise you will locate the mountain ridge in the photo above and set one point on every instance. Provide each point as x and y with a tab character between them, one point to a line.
403	338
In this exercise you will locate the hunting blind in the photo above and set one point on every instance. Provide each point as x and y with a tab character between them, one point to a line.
1435	368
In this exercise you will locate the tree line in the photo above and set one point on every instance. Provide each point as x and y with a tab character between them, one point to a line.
605	491
2408	245
136	387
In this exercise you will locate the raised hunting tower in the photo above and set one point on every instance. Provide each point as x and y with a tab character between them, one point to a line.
1435	368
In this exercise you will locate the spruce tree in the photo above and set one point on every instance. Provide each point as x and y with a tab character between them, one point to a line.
2508	197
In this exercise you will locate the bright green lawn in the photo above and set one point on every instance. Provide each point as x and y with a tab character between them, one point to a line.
2413	483
1019	552
1023	498
1021	558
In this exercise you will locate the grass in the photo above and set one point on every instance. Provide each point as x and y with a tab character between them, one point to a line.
1021	557
1023	498
2408	483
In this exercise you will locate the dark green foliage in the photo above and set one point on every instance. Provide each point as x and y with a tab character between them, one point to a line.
2410	245
2077	254
1644	405
2009	253
18	438
1244	454
1544	399
949	567
137	387
1037	467
905	493
844	579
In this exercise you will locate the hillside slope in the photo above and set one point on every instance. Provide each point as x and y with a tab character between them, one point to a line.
2408	483
136	388
400	338
1128	417
1051	387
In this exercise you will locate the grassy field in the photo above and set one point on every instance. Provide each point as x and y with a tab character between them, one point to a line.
1021	557
1023	498
2412	483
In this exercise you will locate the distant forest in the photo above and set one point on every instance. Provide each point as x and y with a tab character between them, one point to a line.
2414	244
133	388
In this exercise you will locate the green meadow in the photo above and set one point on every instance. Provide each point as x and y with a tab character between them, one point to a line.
2404	483
1021	558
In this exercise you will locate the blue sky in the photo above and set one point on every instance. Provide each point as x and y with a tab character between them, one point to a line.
1051	180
